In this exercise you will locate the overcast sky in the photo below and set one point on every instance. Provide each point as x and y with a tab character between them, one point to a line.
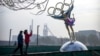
87	14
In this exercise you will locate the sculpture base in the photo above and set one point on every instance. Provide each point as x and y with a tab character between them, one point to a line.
73	46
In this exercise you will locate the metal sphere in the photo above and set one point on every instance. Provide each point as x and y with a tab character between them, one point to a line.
73	46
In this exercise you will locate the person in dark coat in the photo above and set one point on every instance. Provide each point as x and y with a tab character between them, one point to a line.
20	43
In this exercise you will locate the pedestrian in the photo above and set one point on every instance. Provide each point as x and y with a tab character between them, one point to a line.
20	43
27	39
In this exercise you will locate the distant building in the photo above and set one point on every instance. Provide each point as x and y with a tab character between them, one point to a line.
88	37
89	32
99	35
45	30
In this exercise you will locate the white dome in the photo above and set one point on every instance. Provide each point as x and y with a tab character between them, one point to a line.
73	46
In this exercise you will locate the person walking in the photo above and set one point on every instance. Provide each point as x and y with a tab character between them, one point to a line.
20	43
27	39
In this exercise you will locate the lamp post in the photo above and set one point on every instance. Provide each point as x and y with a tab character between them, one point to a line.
10	36
37	33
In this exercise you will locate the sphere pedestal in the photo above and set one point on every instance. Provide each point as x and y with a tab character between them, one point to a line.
73	46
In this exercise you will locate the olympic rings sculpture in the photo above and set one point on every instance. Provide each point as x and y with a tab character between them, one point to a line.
59	9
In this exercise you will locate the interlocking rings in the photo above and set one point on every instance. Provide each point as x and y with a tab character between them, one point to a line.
59	9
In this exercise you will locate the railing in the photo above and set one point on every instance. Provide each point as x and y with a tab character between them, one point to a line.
57	53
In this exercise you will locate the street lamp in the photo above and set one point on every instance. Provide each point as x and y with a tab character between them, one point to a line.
10	36
37	33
